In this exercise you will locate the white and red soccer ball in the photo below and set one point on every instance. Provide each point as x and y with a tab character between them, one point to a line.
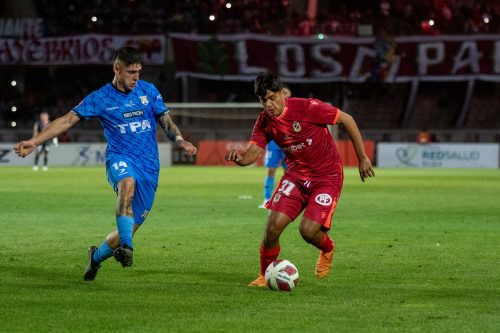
281	275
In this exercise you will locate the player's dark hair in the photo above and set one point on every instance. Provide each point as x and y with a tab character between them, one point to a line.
128	55
267	81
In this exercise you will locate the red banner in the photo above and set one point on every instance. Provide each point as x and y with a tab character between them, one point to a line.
94	49
307	59
213	152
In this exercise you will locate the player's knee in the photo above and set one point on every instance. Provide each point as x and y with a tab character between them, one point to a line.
308	230
126	186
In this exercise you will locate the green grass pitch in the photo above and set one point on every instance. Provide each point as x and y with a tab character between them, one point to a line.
417	251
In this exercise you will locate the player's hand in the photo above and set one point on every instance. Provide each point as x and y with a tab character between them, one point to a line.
24	148
188	147
233	155
365	169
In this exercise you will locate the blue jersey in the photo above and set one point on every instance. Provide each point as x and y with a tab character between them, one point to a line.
129	121
271	145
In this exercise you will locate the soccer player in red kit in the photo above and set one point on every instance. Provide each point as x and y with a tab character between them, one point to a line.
313	181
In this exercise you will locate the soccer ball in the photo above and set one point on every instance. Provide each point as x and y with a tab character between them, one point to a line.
282	275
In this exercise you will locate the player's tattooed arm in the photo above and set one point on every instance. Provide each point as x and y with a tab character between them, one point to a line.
170	129
173	133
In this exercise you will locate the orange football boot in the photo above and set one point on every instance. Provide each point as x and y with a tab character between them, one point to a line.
324	264
258	282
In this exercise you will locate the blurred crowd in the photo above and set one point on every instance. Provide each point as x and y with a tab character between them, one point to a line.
381	18
278	17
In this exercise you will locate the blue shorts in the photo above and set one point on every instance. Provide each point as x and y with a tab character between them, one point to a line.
274	155
146	183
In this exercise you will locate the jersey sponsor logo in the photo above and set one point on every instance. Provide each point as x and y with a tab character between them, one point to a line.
144	100
297	147
133	113
293	148
296	126
112	108
135	127
324	199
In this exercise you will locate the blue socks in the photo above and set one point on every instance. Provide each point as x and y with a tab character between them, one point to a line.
268	187
102	253
125	226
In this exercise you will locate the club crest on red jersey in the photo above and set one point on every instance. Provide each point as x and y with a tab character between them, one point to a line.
296	126
323	199
277	197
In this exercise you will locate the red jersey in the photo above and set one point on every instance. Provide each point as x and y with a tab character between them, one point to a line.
302	134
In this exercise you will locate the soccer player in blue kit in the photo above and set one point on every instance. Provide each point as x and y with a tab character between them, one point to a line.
128	109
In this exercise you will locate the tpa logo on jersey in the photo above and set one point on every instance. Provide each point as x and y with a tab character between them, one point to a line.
144	100
135	127
296	126
323	199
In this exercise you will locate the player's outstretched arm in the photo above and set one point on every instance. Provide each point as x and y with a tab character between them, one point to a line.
245	158
56	127
173	133
365	165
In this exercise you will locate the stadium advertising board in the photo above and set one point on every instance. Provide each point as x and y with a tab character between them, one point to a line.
212	152
353	59
76	154
95	49
451	155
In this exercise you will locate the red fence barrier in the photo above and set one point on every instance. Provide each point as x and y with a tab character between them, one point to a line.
212	152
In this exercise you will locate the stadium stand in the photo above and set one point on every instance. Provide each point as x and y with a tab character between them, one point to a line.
378	106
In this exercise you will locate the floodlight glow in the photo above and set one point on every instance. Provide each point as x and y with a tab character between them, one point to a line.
211	17
13	124
321	36
486	20
93	18
228	5
13	109
13	83
431	22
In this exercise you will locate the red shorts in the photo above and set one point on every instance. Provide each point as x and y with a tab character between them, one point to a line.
317	197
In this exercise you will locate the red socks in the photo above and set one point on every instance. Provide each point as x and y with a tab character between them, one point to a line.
267	256
327	244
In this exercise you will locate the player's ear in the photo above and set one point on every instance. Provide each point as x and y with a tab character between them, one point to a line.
116	68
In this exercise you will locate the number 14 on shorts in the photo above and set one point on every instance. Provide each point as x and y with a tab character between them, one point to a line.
120	166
